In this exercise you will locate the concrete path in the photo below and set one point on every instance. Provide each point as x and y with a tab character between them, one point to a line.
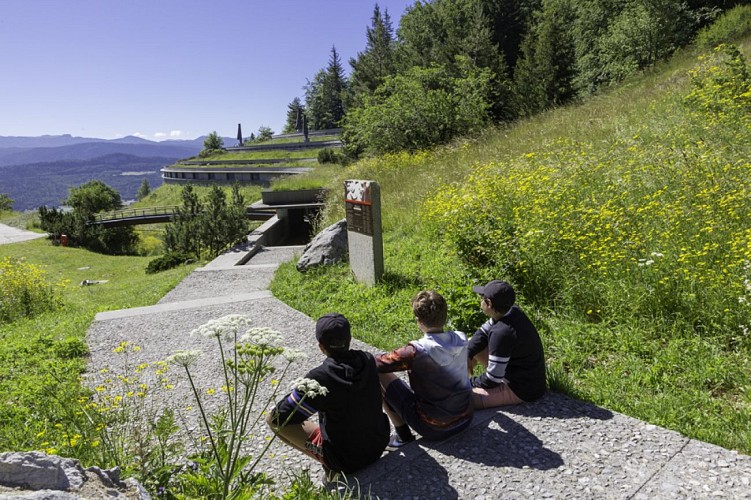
557	447
9	234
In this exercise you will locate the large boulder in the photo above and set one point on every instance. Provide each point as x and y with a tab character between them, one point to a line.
327	247
36	475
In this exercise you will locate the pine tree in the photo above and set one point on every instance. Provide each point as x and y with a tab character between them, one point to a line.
372	66
143	190
324	96
295	109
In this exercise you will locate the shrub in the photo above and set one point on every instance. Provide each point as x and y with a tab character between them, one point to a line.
419	109
721	87
167	261
732	25
24	290
330	155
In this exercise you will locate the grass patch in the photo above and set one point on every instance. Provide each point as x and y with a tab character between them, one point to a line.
170	195
265	154
295	140
28	221
316	178
43	356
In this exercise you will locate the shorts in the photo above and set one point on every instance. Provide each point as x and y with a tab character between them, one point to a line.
401	398
314	445
500	395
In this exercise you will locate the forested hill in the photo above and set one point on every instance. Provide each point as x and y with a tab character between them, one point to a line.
454	67
47	183
37	171
91	150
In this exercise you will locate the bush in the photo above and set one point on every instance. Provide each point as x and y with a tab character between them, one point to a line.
732	25
167	261
330	155
653	233
419	109
24	290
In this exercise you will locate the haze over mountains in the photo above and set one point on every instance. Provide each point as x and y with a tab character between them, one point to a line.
37	171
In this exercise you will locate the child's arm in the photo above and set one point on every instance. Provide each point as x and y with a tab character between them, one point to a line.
292	410
500	345
397	360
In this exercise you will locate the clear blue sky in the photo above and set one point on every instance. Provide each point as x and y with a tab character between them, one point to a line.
165	69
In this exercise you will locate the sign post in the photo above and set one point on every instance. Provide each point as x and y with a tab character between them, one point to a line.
362	201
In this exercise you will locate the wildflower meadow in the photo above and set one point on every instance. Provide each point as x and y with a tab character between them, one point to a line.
624	225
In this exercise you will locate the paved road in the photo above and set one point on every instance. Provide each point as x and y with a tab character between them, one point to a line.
557	447
10	234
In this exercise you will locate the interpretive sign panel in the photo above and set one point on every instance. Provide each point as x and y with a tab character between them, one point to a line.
362	201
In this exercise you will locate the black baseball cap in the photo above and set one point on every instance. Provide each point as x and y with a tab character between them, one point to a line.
500	294
333	331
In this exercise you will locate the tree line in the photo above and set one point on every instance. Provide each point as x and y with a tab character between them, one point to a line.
455	66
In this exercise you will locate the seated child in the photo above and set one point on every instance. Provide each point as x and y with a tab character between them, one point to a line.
352	430
437	403
509	348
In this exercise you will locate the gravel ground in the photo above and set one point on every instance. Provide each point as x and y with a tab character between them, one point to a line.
159	334
557	447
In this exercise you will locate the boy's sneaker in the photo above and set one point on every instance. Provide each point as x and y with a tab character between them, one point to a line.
395	442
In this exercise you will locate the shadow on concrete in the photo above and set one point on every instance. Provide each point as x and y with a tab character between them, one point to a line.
418	473
499	442
557	405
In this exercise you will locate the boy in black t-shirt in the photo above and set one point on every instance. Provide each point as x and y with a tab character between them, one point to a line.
509	347
353	431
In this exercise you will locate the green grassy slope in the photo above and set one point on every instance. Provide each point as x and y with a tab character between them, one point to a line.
550	204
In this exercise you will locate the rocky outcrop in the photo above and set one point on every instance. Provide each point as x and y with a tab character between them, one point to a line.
36	476
327	247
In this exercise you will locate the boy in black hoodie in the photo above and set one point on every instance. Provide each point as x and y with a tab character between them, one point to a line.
353	431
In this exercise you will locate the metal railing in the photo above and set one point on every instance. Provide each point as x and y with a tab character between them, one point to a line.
135	213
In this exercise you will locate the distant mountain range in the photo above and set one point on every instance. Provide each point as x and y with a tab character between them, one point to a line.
38	171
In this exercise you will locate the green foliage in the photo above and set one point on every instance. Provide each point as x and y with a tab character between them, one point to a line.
86	200
330	155
295	111
421	108
544	74
167	261
43	357
24	290
93	197
143	190
371	67
264	134
6	203
224	469
721	87
207	228
324	96
213	142
450	33
730	26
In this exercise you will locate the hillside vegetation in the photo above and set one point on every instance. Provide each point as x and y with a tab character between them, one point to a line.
623	223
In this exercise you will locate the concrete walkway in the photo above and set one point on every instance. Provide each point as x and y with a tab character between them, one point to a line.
9	234
557	447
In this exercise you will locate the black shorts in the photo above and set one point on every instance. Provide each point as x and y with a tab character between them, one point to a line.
401	398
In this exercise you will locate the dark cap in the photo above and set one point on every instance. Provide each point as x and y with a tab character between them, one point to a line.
333	331
500	293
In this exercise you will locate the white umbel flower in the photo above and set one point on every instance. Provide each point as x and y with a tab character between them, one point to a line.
309	387
184	358
263	336
227	327
293	355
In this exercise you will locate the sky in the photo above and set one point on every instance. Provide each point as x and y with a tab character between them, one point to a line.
168	69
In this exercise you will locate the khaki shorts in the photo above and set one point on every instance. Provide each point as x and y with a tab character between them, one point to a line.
501	395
